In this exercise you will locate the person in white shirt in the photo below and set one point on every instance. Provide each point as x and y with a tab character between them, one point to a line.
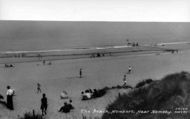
10	94
129	70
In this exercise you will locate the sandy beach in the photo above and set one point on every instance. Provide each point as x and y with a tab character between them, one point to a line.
64	75
98	72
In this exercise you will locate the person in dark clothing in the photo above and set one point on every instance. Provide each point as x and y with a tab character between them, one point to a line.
10	94
44	104
125	80
70	106
39	88
80	73
64	108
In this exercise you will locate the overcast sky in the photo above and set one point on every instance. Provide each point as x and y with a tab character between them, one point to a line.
95	10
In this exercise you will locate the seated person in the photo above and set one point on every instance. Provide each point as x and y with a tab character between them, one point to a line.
88	94
95	93
1	97
83	96
70	106
9	65
66	108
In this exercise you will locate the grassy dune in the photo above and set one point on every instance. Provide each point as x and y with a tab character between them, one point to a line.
163	99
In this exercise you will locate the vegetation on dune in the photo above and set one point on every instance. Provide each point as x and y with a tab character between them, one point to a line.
167	98
101	92
144	82
32	115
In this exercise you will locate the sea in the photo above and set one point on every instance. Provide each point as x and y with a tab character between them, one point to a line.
48	35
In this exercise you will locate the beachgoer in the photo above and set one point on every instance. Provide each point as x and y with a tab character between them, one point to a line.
39	88
66	108
125	80
80	73
44	104
10	94
70	106
129	70
88	94
1	97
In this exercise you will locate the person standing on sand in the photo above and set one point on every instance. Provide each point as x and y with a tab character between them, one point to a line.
125	80
10	94
80	72
129	70
39	88
44	104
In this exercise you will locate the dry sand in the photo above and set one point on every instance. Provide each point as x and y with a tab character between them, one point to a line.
64	75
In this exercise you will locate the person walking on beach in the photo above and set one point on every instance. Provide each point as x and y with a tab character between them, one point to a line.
44	104
80	72
125	80
39	88
10	94
129	70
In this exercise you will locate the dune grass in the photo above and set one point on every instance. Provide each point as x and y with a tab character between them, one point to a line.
32	115
163	99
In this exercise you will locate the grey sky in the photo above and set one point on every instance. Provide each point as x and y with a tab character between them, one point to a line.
95	10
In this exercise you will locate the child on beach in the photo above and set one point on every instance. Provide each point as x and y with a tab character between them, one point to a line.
39	88
125	80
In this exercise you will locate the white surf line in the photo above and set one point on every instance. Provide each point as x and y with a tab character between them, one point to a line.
147	53
173	43
153	53
90	48
63	50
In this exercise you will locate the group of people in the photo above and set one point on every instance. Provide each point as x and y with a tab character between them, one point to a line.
134	44
9	65
45	62
67	107
90	94
87	94
125	75
11	92
44	102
